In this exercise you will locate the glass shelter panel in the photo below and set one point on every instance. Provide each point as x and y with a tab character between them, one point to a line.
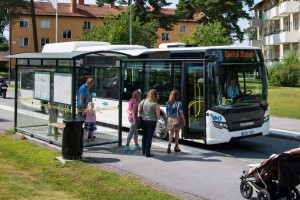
40	106
105	96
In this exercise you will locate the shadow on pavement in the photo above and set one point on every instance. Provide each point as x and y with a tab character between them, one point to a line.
159	154
4	120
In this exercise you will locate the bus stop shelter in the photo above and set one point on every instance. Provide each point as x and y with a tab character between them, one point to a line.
46	93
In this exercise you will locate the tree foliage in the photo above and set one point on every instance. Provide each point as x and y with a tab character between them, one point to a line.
251	33
210	34
227	12
12	8
147	11
287	72
115	30
102	2
4	45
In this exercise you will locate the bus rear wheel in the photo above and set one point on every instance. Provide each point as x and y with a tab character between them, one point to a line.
161	128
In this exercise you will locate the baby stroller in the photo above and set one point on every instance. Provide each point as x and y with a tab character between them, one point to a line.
263	178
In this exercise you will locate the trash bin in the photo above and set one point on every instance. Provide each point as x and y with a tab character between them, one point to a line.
72	140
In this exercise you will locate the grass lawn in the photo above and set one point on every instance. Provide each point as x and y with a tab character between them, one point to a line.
28	171
284	102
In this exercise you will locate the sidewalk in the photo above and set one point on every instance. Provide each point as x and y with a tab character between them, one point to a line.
285	128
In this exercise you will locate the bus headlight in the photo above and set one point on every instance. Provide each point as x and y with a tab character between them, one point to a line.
266	118
220	125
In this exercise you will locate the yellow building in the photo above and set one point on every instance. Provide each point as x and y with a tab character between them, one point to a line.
73	19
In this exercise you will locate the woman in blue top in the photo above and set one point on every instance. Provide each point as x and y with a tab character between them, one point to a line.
174	108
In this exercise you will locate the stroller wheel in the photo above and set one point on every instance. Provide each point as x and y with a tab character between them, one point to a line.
246	190
294	194
263	195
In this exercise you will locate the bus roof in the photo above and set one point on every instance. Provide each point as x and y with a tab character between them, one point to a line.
71	46
178	49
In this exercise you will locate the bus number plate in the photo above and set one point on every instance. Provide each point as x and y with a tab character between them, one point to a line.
245	133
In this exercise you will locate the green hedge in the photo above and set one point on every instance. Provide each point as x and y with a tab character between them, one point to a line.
287	72
4	75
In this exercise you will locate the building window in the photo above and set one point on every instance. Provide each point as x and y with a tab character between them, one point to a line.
23	42
165	36
183	29
87	25
45	23
24	23
296	24
44	41
67	34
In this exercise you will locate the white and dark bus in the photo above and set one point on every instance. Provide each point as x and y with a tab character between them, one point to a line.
201	74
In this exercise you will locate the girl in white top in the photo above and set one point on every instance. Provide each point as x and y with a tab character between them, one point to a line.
90	122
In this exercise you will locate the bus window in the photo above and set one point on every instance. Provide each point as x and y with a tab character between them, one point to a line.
106	81
177	76
249	81
133	73
158	77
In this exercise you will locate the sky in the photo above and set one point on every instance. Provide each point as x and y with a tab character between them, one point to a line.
242	23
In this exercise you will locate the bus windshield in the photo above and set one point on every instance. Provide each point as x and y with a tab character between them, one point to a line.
237	85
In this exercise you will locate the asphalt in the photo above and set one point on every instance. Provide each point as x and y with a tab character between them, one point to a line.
174	173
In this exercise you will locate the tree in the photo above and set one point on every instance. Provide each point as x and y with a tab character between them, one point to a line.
34	30
287	72
147	11
3	44
115	30
227	12
111	2
210	34
251	33
11	9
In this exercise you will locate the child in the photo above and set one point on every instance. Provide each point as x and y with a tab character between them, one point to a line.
132	117
90	122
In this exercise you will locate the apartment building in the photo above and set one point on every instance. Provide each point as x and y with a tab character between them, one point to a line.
73	19
277	28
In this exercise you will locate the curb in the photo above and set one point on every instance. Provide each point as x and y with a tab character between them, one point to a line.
290	135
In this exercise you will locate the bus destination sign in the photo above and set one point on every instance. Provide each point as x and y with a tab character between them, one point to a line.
239	56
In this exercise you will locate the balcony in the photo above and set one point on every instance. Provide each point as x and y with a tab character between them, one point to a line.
289	36
266	15
266	40
255	43
288	7
255	22
274	13
281	37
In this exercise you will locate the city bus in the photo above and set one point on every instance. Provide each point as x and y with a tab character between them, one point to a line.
201	75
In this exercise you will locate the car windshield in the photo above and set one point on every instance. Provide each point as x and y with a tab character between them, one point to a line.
238	85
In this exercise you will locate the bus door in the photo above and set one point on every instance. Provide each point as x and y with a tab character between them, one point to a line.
193	99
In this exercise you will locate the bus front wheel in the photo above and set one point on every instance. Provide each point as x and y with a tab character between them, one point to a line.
161	128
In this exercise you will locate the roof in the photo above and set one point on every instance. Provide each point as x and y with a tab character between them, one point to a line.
3	55
87	10
259	4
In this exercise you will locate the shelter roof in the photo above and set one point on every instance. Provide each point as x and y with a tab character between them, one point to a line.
59	55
